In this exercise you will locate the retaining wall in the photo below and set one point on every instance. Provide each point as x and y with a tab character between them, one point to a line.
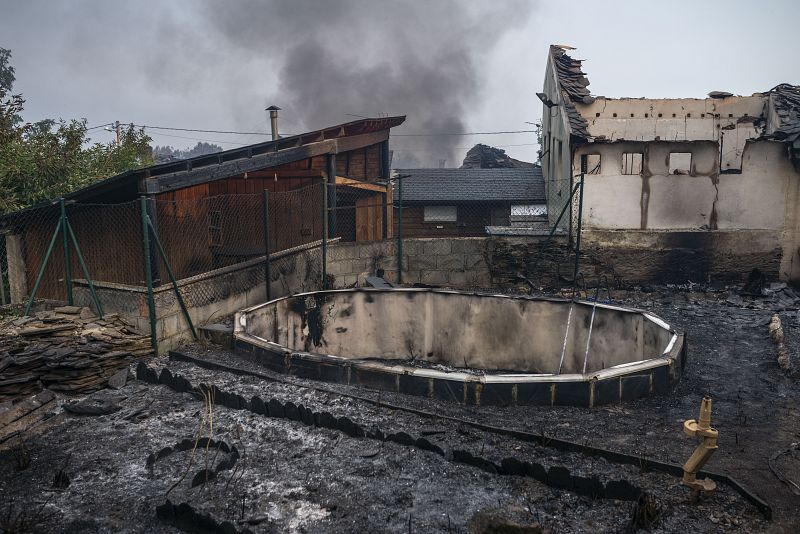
457	262
209	296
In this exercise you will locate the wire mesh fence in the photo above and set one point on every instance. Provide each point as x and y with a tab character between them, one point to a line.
197	236
373	225
213	232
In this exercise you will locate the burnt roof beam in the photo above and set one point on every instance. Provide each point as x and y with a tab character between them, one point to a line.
178	180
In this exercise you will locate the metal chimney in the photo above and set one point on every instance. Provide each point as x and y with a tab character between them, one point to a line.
273	121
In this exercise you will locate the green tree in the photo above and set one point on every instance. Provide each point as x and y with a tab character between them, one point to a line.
47	159
7	75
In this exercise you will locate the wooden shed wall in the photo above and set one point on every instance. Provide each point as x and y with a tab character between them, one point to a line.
199	231
471	221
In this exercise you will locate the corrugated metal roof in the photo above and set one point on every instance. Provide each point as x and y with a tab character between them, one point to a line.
472	185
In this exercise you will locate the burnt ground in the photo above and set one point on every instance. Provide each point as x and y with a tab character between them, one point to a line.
293	477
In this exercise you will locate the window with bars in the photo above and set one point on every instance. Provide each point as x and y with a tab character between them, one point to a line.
631	163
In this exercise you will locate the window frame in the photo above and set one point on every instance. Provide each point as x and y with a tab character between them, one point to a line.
625	167
439	219
597	169
679	171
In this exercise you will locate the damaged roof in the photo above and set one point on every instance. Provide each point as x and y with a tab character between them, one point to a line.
129	184
473	185
573	84
784	119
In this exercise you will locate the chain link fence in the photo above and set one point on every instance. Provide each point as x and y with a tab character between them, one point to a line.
414	207
197	236
318	236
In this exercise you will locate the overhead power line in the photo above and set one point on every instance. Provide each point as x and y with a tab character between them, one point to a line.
433	134
198	130
463	133
99	126
215	141
433	149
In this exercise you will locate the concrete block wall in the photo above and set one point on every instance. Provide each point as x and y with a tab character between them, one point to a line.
209	296
458	262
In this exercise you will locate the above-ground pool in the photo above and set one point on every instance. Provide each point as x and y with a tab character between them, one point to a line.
469	347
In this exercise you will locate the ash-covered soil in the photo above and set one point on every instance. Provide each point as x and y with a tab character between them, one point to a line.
297	478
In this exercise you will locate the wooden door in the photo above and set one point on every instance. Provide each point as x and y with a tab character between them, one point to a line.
369	218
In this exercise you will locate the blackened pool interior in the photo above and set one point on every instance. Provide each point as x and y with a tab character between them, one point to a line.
429	342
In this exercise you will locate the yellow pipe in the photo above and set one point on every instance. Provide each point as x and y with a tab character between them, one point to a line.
702	428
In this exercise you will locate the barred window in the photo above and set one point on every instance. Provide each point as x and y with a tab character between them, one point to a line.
631	163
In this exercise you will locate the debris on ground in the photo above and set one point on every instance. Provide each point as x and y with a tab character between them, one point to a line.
25	417
66	349
776	333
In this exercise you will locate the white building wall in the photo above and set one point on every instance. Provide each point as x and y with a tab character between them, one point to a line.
702	200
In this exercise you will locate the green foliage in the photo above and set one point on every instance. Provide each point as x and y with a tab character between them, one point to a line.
48	159
7	75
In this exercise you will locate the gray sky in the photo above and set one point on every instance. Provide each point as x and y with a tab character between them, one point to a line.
449	65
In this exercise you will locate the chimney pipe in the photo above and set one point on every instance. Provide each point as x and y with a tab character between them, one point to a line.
273	121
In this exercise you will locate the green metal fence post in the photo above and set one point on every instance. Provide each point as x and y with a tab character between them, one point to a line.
148	275
44	264
84	268
67	259
172	279
324	235
580	217
267	251
399	229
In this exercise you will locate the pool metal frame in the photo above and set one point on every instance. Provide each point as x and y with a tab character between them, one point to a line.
623	382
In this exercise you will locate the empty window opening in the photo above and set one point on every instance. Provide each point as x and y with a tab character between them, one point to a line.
596	114
631	163
660	115
631	115
646	115
615	114
702	115
730	115
680	162
441	214
674	115
593	164
688	115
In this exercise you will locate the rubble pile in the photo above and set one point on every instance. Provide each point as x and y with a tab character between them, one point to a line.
67	349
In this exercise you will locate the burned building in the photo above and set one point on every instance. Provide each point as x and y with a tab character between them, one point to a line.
710	185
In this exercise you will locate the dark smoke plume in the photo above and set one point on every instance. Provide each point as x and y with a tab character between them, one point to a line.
422	59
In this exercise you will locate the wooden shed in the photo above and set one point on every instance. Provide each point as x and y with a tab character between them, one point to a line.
208	209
